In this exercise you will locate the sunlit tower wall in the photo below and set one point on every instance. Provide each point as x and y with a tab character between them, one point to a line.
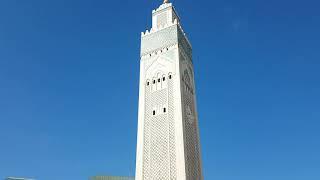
168	145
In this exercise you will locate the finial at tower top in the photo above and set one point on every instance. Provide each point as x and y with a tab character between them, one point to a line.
165	1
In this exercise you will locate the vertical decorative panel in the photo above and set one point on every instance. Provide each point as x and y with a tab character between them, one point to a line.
159	158
159	137
172	144
162	19
192	154
146	143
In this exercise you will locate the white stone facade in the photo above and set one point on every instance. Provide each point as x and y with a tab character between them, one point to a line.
168	134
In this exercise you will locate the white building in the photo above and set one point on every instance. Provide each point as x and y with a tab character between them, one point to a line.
16	178
168	134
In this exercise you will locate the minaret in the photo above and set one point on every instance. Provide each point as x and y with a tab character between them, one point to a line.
168	145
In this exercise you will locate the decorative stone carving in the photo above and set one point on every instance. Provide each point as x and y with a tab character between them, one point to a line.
168	139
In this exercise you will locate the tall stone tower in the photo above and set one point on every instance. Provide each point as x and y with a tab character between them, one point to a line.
168	134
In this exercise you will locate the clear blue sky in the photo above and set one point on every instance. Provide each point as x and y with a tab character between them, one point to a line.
69	86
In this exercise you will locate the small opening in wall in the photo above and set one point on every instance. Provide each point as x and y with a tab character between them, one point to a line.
170	76
167	49
164	78
159	80
153	112
148	83
154	81
164	110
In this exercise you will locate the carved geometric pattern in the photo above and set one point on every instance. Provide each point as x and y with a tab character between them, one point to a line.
162	19
159	146
184	44
159	40
172	146
159	161
192	155
146	143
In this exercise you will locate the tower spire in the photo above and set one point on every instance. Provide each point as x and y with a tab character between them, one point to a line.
165	1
